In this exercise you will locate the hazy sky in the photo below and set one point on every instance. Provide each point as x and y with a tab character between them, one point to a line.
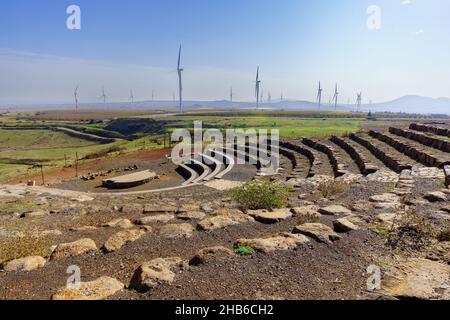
126	44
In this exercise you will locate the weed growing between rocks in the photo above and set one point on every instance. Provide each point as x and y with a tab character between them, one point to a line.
261	194
244	250
414	231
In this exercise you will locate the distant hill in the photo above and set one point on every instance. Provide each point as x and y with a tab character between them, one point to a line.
406	104
415	104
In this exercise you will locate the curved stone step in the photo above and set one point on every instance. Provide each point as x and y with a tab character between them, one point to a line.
364	164
382	153
218	165
204	174
192	174
230	164
414	150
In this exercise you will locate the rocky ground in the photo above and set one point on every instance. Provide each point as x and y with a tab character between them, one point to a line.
341	229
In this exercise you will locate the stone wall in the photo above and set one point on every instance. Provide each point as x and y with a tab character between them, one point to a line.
334	158
387	159
418	155
436	130
365	166
422	138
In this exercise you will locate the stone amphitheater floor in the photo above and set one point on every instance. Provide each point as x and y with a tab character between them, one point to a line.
180	244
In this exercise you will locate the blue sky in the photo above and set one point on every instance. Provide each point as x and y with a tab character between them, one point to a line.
126	44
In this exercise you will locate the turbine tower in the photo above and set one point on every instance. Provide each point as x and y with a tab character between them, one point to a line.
231	94
153	95
319	95
257	88
335	97
180	83
358	101
103	96
131	96
75	93
269	98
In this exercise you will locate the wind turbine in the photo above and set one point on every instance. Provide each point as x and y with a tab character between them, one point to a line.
269	98
153	95
257	88
231	94
180	83
358	101
75	93
335	97
103	96
319	95
131	96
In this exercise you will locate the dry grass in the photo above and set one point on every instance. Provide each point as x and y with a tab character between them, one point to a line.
414	231
16	248
444	235
331	188
308	218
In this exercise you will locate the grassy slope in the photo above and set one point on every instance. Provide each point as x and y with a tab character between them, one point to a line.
289	127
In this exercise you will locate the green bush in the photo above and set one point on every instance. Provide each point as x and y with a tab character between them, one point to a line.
244	250
259	194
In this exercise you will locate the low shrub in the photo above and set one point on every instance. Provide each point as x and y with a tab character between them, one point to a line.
244	250
261	194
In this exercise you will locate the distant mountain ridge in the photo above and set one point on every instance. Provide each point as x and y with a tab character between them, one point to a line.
405	104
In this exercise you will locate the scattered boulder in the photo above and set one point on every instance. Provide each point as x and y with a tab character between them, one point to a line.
11	234
24	264
132	208
418	279
334	210
205	255
118	240
386	197
82	198
386	218
120	223
265	216
446	209
83	228
186	207
50	233
161	218
440	252
224	218
179	230
155	272
99	289
160	207
283	241
436	196
66	250
191	215
34	214
344	225
317	231
309	210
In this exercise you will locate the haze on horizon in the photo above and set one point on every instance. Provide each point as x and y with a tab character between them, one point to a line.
124	46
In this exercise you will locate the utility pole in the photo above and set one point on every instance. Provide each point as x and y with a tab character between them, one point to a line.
76	164
42	174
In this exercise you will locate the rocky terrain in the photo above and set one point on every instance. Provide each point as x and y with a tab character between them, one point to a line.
372	203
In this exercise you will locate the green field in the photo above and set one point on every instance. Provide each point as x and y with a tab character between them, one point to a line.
30	138
289	127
